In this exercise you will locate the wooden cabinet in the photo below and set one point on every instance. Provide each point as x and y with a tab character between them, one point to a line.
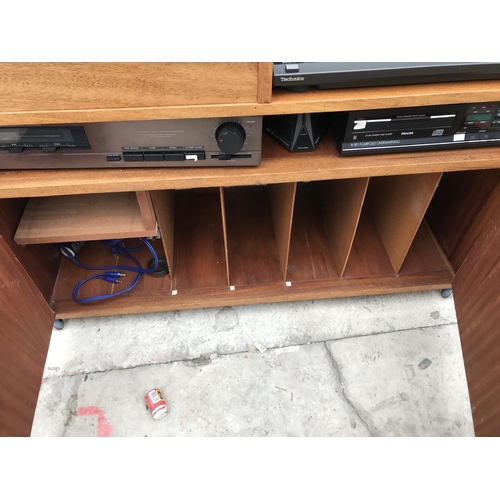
299	226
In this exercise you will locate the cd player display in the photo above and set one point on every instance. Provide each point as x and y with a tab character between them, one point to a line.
423	128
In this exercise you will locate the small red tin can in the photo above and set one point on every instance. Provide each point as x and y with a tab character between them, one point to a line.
156	403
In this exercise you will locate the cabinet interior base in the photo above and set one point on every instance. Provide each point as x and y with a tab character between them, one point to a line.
425	268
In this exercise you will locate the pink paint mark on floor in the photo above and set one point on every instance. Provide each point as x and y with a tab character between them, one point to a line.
104	428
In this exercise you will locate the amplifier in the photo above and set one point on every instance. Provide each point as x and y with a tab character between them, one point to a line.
206	142
418	129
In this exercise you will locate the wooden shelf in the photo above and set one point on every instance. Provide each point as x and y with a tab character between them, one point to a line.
397	96
278	166
95	92
86	217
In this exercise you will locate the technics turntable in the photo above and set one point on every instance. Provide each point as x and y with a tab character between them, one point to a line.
301	76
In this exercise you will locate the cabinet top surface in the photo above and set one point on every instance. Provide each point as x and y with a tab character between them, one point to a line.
43	93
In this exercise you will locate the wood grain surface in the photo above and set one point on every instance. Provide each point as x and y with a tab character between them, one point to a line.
164	206
265	83
282	200
398	205
342	201
461	208
84	218
311	255
278	166
224	230
368	255
476	290
94	94
146	208
50	87
200	257
252	250
40	261
26	326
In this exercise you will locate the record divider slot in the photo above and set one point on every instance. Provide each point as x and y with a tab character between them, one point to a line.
164	205
224	229
282	201
398	205
342	202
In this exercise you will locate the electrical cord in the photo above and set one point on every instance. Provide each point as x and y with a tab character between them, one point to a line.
112	273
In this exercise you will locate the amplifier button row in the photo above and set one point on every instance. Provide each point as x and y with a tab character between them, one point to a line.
178	156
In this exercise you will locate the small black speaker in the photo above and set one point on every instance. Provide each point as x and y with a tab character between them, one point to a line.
297	132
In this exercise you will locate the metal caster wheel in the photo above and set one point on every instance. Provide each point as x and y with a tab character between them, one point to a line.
59	324
447	292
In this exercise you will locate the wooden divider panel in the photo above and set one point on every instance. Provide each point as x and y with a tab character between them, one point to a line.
265	83
252	249
342	201
146	209
282	200
164	204
310	256
200	256
224	229
398	205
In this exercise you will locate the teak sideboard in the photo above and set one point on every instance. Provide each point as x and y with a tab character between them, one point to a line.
299	226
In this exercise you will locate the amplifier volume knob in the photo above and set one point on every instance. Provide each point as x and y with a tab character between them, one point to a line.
230	137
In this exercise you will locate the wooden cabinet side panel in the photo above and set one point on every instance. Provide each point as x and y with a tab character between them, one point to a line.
25	328
40	261
459	212
476	289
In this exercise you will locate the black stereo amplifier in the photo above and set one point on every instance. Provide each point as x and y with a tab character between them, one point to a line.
301	76
418	129
203	142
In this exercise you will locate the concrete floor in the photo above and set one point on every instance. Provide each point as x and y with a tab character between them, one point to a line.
368	366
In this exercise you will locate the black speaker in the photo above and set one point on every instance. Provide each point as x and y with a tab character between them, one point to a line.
297	132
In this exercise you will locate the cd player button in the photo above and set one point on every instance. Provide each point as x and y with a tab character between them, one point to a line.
15	150
133	157
49	149
113	158
174	157
291	68
153	156
486	135
471	137
496	135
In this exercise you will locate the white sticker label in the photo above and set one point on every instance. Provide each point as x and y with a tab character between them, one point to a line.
155	398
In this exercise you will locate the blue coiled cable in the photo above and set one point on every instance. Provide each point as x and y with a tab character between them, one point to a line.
112	273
